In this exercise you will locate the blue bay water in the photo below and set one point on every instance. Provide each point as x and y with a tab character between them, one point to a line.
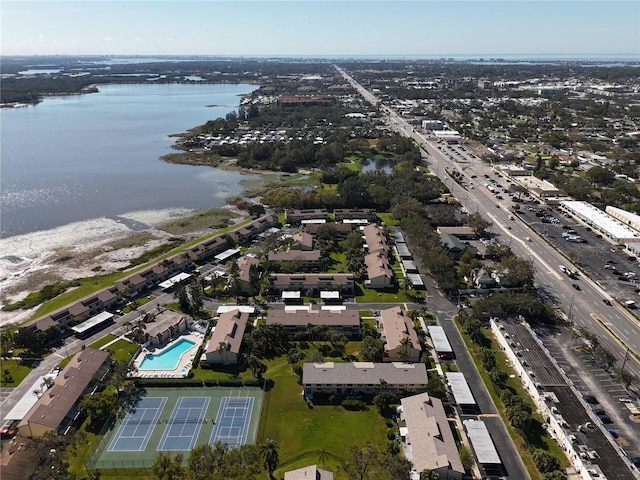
80	157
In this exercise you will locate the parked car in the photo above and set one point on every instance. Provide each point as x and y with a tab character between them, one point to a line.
7	432
605	419
599	411
590	399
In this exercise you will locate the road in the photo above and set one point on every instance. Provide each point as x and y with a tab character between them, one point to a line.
617	329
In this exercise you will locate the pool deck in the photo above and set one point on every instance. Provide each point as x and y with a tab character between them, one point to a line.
184	364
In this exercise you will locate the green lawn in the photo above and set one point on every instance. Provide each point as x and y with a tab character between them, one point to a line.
301	430
103	341
16	374
365	295
122	350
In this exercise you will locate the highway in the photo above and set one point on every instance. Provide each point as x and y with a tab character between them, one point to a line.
616	328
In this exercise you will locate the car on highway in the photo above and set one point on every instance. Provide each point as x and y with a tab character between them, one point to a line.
576	286
606	301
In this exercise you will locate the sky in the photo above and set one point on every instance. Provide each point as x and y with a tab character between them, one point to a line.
386	28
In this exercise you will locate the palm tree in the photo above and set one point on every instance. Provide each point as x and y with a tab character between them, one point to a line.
222	347
403	351
322	455
269	454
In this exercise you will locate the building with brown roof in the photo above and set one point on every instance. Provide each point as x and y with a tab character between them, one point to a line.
162	326
375	240
302	241
379	275
426	433
246	265
312	282
296	217
341	230
226	339
401	341
57	406
306	260
308	473
363	378
346	322
341	214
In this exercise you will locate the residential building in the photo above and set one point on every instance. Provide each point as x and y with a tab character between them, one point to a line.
379	275
246	265
226	339
363	378
162	326
341	214
306	260
296	217
314	283
308	473
375	240
401	343
346	322
302	241
58	406
425	430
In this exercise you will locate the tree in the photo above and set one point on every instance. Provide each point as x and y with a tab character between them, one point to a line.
405	349
383	402
466	457
222	350
545	462
256	209
372	349
269	454
429	475
167	467
322	455
257	367
361	462
98	406
478	223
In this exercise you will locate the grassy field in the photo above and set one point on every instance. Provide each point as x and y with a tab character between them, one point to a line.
302	431
122	350
16	373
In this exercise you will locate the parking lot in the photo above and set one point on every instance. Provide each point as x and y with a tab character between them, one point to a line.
592	437
591	253
592	380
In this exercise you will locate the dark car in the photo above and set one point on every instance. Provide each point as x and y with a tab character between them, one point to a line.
605	419
590	399
576	286
599	411
606	301
7	432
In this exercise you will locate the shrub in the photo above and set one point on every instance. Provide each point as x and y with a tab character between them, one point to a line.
354	405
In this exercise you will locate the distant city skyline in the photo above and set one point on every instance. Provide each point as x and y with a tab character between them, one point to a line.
360	28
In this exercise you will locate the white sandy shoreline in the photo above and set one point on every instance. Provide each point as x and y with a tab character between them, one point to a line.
38	254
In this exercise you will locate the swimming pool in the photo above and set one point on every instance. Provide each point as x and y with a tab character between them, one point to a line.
167	359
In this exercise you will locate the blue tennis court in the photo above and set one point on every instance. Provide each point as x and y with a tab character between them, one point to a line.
135	431
184	425
232	421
